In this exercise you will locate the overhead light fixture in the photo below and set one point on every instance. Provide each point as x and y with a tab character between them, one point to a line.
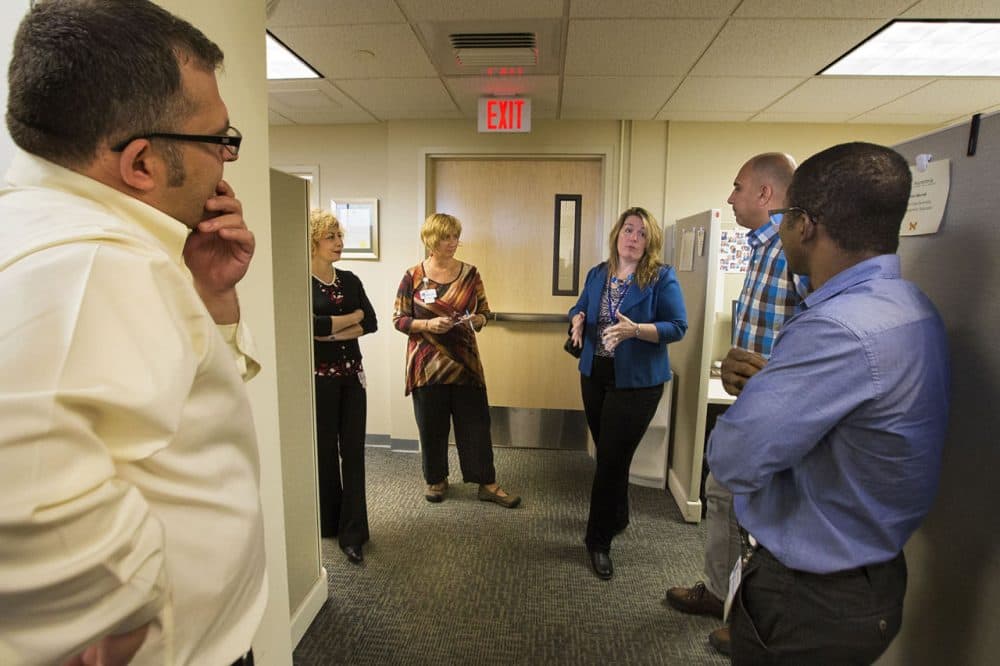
925	48
282	63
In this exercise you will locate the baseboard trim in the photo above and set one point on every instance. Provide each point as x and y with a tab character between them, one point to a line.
309	608
690	510
406	445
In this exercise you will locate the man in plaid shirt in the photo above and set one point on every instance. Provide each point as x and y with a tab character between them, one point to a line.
770	295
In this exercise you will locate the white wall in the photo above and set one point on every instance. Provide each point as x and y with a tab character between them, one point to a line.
11	12
237	26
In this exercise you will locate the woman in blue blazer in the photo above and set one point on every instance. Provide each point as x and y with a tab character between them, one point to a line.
631	307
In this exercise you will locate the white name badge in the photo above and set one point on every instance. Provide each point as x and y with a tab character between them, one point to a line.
735	576
428	296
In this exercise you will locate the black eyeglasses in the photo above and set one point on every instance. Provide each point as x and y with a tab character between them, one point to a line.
230	140
792	210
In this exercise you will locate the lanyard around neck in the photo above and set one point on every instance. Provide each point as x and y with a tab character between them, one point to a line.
613	284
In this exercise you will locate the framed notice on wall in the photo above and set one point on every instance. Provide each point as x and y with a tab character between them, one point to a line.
359	221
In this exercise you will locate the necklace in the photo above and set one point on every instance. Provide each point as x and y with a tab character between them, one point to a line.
622	284
620	289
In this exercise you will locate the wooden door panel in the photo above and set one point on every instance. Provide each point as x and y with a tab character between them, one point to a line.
507	209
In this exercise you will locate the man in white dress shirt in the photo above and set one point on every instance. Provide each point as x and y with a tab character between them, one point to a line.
130	522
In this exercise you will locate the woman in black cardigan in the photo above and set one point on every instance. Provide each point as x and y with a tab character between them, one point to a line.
341	314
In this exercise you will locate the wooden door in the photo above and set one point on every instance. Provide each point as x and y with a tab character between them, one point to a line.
507	210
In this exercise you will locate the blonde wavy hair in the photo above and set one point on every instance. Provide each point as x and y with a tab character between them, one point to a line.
649	264
437	227
320	223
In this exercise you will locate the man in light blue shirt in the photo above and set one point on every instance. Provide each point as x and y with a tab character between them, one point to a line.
833	449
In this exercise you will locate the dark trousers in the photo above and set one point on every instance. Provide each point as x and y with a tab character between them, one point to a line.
784	616
341	410
617	419
435	407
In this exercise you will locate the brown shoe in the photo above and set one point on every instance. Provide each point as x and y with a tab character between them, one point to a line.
435	492
695	600
720	640
506	501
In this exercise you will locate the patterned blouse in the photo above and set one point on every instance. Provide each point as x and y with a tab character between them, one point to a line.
611	298
446	358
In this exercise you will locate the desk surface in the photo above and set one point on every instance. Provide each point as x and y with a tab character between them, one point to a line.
716	394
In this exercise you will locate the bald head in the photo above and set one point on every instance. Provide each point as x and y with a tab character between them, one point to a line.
761	186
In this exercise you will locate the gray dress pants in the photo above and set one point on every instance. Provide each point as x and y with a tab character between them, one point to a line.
722	547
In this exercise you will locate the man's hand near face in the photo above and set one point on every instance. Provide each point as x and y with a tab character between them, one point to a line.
738	367
218	254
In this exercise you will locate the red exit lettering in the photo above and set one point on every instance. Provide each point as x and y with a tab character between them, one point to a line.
504	114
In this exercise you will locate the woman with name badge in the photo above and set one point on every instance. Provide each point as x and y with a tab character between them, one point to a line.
342	313
441	305
630	309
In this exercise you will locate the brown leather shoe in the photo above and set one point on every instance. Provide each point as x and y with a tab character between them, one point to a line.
695	600
507	501
435	492
720	640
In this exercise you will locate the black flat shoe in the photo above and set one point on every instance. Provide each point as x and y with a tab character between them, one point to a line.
602	564
354	554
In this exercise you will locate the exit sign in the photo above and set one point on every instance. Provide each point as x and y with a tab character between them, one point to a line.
504	114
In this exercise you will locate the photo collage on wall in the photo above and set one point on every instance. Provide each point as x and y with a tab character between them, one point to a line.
734	252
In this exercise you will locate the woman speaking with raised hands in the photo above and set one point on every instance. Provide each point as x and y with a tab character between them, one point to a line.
630	309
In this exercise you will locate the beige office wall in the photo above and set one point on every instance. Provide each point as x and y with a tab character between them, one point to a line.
237	26
11	12
703	158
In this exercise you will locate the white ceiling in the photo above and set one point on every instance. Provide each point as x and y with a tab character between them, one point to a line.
693	60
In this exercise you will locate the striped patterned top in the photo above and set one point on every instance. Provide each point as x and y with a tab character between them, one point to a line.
446	358
770	293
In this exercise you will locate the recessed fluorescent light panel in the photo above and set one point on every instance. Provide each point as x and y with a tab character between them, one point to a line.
283	64
925	48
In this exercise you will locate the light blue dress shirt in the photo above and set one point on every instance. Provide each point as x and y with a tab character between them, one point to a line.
833	450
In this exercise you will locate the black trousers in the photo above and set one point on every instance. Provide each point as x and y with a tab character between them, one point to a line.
617	419
785	616
341	411
435	407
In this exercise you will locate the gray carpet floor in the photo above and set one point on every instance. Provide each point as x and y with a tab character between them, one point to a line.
465	582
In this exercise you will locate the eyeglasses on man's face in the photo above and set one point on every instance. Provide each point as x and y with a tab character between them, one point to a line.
230	141
791	213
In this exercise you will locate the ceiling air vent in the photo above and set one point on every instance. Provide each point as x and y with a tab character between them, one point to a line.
497	49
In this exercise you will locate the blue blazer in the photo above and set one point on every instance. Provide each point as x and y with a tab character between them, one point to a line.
637	363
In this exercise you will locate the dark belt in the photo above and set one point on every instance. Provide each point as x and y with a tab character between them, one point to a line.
245	659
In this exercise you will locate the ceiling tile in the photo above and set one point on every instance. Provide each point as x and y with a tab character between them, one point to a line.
727	93
390	99
789	47
948	96
338	52
852	95
651	8
333	12
957	9
828	117
275	118
704	116
882	118
637	98
836	9
303	100
543	91
637	47
465	10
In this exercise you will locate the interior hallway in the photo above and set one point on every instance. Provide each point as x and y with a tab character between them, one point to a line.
470	582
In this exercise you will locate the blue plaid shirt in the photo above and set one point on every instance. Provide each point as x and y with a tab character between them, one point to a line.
770	293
